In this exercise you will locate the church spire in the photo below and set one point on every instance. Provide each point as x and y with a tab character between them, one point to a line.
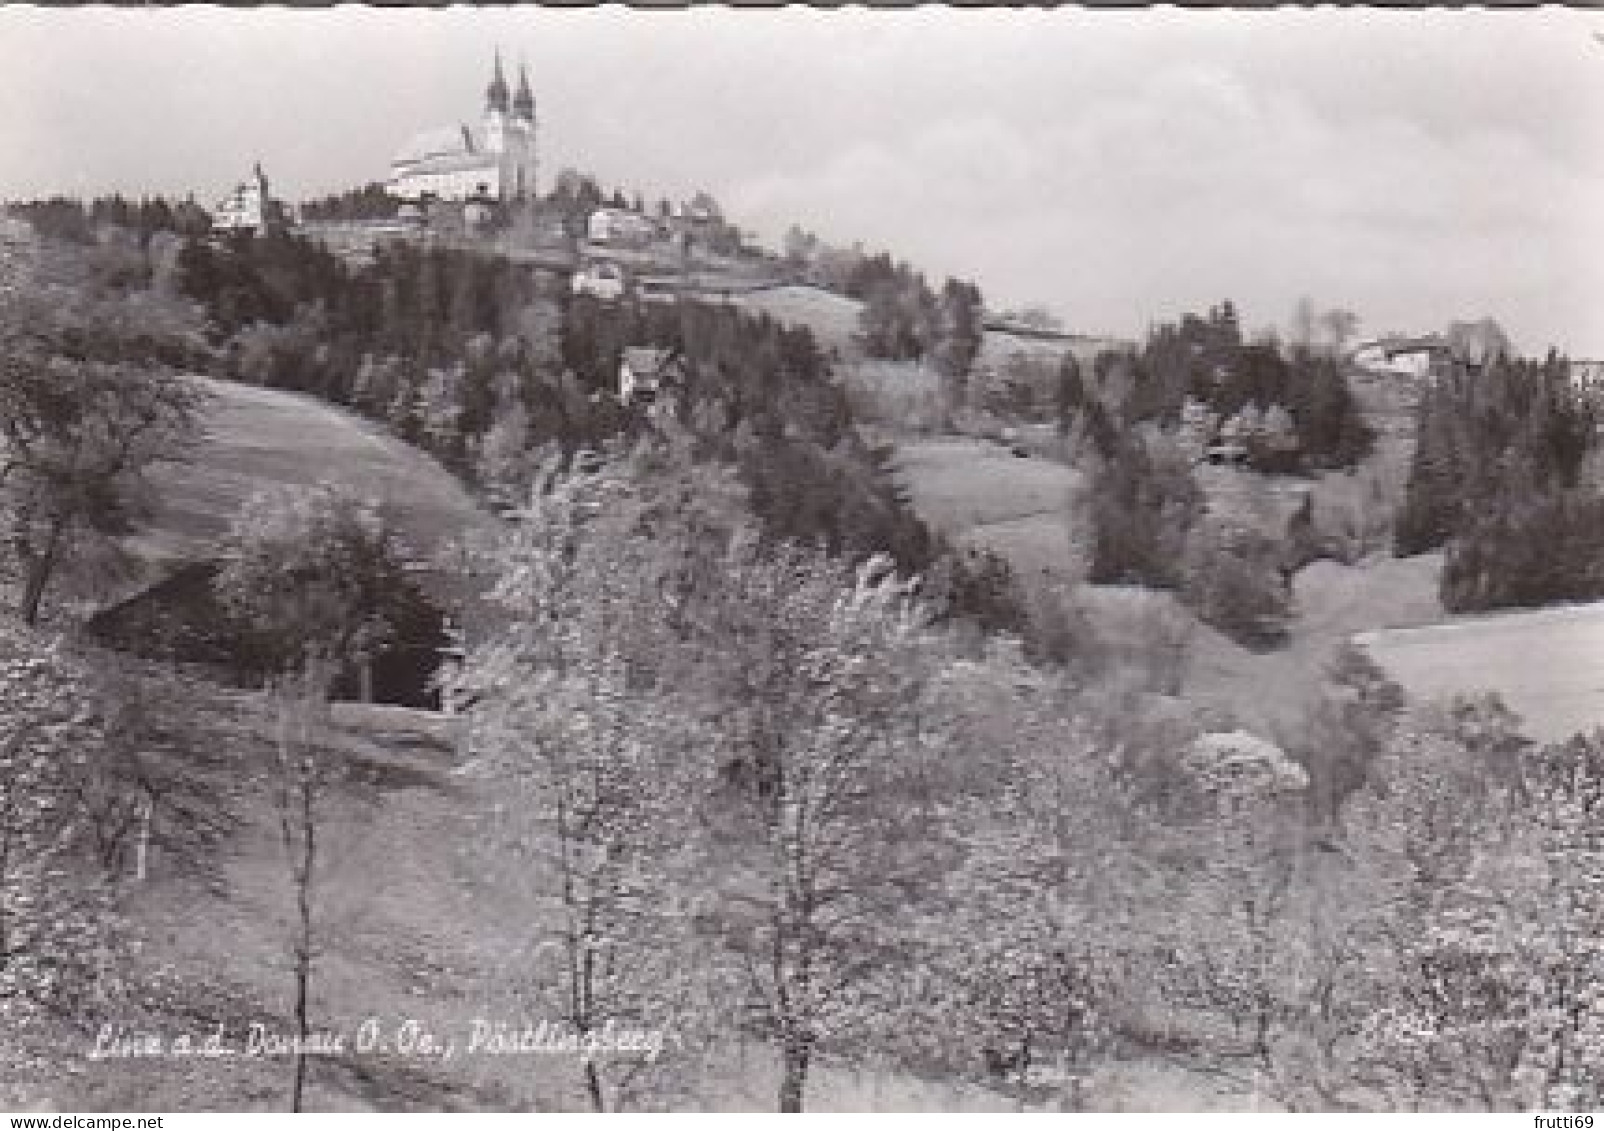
496	93
523	105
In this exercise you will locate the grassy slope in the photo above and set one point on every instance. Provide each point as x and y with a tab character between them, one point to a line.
1548	665
418	919
979	492
833	318
1271	690
257	438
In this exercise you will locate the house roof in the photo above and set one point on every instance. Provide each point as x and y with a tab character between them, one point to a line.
646	360
448	163
622	216
443	141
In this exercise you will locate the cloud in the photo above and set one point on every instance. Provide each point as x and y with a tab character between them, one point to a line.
1138	204
1123	166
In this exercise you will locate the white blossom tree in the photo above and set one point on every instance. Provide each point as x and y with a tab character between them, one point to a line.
593	755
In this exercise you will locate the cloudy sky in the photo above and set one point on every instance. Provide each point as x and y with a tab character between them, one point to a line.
1117	167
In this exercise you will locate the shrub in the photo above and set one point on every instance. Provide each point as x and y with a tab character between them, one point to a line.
1528	551
317	574
1144	504
1232	583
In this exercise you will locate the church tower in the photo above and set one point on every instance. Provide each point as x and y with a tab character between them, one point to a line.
523	130
496	124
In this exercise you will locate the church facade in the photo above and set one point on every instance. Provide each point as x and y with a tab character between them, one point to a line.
497	160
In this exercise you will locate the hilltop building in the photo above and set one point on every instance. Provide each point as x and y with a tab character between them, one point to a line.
459	163
620	226
246	208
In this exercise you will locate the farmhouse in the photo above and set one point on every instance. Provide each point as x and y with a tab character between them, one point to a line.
643	372
599	279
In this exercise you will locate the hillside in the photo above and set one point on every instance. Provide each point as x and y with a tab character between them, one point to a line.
833	319
258	438
1332	602
1000	347
980	493
633	627
450	920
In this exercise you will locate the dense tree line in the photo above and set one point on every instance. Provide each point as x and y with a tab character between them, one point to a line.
483	363
1205	358
1498	478
71	220
905	319
764	790
370	202
1149	526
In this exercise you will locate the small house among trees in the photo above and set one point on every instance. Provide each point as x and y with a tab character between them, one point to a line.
644	372
620	226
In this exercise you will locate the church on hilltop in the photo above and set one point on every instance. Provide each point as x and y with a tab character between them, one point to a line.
460	163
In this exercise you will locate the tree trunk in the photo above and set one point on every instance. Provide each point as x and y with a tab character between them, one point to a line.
33	591
593	1087
794	1061
302	974
38	574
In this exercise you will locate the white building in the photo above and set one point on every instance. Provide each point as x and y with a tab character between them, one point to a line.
643	372
244	209
1409	358
601	280
619	226
458	163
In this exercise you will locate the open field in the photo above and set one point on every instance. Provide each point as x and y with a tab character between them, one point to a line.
979	492
999	347
1547	665
833	318
256	438
959	483
1270	691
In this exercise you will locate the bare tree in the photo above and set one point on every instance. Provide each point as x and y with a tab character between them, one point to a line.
299	707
